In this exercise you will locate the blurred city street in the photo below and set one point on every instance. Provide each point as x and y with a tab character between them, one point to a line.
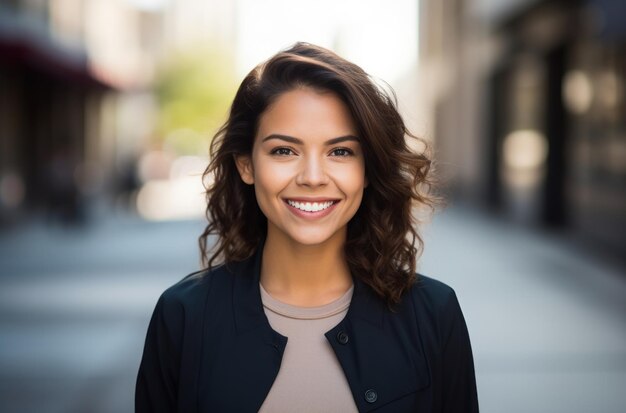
74	307
108	107
547	321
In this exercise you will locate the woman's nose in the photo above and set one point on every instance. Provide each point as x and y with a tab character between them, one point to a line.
312	172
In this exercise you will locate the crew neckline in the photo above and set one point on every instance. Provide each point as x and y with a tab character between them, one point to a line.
306	313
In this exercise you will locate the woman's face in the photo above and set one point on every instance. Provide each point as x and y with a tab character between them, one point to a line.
307	167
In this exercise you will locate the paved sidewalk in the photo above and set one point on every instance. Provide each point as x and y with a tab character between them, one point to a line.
74	308
547	321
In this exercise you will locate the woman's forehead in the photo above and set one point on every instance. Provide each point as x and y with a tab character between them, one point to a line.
307	114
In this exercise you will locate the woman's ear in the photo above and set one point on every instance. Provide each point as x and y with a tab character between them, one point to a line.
244	166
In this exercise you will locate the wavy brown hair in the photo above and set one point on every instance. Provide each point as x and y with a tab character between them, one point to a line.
382	239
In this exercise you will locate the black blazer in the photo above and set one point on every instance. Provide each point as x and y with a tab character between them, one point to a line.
210	348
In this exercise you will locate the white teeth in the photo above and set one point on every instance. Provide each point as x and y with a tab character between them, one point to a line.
311	206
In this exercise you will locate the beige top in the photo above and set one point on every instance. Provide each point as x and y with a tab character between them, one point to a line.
310	378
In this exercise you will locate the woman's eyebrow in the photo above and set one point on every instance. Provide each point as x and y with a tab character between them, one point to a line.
297	141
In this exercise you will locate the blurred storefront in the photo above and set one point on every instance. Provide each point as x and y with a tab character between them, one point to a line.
80	110
528	109
67	78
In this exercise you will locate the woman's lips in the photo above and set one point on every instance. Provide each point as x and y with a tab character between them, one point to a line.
312	214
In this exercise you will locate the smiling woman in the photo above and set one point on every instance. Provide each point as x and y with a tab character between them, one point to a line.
310	301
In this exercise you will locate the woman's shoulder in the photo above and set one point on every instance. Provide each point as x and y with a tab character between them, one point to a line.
431	288
434	297
194	287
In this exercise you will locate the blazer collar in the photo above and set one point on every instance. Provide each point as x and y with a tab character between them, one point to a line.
248	307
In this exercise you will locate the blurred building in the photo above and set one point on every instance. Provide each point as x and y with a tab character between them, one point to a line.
527	106
77	106
62	64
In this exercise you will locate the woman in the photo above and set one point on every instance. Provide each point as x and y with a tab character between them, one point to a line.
316	306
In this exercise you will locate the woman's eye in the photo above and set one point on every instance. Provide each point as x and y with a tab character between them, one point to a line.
281	151
342	152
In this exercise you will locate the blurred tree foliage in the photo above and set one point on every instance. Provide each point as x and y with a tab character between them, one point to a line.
194	91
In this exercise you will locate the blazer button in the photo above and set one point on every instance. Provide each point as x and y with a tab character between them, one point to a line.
371	396
342	337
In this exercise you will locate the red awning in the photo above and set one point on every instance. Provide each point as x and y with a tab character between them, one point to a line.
49	59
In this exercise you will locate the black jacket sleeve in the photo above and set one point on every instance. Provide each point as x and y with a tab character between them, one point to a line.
458	381
157	380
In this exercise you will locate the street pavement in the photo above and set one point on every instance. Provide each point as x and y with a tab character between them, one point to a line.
546	317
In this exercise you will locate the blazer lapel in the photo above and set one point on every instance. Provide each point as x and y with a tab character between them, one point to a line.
383	359
254	354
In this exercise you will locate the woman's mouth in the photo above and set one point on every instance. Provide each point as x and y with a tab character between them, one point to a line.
310	206
306	209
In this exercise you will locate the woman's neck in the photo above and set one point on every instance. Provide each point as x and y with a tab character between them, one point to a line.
304	275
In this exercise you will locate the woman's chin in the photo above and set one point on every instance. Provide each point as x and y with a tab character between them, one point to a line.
313	238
